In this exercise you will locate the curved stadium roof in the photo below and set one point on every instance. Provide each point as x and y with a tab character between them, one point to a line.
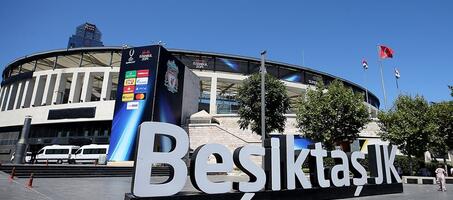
115	49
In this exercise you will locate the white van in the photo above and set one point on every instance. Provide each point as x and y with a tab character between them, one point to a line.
91	153
56	153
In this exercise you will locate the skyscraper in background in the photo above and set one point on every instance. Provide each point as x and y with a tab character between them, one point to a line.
87	35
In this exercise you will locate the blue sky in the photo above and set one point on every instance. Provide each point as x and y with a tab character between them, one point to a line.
333	36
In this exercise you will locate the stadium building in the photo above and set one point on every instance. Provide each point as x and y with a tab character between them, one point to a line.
70	94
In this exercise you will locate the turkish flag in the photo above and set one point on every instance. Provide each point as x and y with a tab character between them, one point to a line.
385	52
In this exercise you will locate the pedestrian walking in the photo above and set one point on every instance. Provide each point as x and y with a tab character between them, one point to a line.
440	177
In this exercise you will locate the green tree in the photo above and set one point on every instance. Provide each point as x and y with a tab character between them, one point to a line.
249	98
407	125
441	140
334	116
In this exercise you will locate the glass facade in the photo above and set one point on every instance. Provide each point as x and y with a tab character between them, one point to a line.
226	96
64	133
86	35
205	95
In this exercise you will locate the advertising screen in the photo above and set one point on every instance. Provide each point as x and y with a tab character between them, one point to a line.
134	101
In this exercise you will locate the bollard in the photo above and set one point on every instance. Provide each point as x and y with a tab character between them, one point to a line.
30	181
13	173
95	162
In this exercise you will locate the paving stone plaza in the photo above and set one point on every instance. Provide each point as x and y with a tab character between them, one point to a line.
113	188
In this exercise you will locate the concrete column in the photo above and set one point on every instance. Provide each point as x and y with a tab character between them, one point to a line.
19	95
106	86
26	91
5	97
86	88
35	91
213	96
46	89
73	87
10	95
59	88
1	95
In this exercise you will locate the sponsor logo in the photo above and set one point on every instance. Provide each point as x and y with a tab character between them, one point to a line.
143	73
140	96
200	64
142	81
129	89
129	81
132	105
131	59
141	88
127	97
146	54
131	74
171	76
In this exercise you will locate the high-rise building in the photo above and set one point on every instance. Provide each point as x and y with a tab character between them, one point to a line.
87	35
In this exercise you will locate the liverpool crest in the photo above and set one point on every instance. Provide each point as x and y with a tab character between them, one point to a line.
171	76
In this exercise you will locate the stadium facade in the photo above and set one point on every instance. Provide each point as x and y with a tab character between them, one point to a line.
70	94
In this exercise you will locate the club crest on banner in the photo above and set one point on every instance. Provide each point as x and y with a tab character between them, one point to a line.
171	76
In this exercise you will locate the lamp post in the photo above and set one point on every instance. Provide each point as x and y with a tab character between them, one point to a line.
263	101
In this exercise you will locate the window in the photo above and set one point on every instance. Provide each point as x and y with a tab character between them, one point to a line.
96	59
73	151
45	64
57	151
272	70
116	59
15	70
95	151
312	78
114	85
290	75
226	94
231	65
205	96
79	151
28	67
68	61
198	62
67	88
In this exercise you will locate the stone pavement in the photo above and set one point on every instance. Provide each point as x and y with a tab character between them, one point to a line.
113	188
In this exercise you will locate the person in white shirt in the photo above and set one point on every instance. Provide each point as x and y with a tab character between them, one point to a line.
440	177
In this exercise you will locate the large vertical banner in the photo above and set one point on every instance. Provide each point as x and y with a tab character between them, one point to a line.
134	100
169	93
150	88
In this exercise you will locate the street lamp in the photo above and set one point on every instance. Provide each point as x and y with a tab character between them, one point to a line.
263	102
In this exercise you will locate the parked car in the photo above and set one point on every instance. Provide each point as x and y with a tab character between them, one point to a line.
91	153
56	153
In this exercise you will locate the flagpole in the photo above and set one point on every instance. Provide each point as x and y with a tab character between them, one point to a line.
366	91
397	85
382	79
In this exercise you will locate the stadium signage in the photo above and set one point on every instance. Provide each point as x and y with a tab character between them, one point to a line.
286	175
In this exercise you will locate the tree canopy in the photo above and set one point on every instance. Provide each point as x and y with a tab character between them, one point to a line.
441	140
332	115
249	98
408	125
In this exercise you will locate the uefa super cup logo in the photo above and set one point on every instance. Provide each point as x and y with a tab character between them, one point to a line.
131	58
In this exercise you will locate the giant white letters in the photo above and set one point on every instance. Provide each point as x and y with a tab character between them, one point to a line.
146	157
380	160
